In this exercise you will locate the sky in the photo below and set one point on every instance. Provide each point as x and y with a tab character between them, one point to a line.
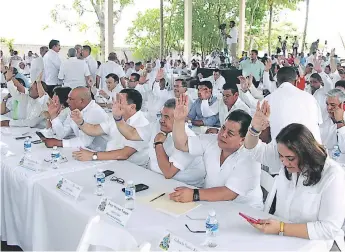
325	21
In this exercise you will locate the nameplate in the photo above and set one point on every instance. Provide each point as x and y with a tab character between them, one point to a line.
171	242
69	188
29	163
114	211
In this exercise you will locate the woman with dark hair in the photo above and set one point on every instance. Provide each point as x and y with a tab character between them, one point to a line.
269	79
58	107
310	186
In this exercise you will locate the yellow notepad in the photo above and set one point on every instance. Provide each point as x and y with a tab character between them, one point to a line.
168	206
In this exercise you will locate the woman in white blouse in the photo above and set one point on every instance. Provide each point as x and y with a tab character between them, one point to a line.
310	186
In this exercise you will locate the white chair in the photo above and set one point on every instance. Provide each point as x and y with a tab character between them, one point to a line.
269	184
103	235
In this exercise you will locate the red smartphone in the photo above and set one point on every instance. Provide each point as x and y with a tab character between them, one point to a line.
249	219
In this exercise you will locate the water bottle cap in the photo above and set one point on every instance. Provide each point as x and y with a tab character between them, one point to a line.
189	121
130	182
27	138
212	213
55	148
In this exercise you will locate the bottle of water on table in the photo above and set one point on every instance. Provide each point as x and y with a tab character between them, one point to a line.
55	158
190	125
27	147
211	229
336	152
130	195
100	179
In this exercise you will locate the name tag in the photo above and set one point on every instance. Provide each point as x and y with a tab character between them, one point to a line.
30	164
171	242
68	187
116	212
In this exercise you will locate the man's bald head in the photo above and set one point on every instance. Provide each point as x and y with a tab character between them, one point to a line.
79	98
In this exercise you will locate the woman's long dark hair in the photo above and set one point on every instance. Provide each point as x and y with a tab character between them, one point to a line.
62	93
311	155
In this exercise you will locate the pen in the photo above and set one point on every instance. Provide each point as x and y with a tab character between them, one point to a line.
157	197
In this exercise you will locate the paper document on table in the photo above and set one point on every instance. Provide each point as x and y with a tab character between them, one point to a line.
168	206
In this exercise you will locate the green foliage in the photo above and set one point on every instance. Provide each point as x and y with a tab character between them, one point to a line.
95	49
7	42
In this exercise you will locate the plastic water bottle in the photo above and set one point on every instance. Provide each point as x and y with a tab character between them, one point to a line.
159	115
27	146
190	125
336	152
100	179
55	157
211	229
130	195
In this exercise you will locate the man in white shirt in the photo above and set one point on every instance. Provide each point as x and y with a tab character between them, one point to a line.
164	157
126	110
230	173
128	70
231	40
34	101
291	105
79	49
109	67
295	46
90	61
217	81
137	69
37	65
333	127
78	99
74	72
108	94
52	63
133	83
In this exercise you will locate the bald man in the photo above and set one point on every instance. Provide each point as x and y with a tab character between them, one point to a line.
74	72
79	98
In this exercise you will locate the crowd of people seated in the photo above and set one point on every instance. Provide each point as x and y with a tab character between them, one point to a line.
130	111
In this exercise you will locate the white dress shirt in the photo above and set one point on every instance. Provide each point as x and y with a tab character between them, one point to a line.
128	72
112	95
191	168
321	206
239	172
118	141
33	107
52	63
93	66
92	114
267	83
107	68
233	34
217	84
288	105
49	133
73	72
331	136
37	67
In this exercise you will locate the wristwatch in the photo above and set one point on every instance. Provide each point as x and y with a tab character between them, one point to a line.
341	121
94	156
196	196
156	143
281	231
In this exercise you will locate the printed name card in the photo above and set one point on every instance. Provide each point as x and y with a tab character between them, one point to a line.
30	164
116	212
68	187
171	242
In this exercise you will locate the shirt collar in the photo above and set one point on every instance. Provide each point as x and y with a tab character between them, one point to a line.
134	117
88	106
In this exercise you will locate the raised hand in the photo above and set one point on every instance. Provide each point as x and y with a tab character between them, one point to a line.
297	61
181	110
332	52
260	119
77	117
9	74
250	81
317	65
160	74
117	109
104	94
268	65
243	83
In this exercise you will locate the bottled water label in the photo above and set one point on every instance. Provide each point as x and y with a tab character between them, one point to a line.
336	152
129	193
190	125
100	180
212	227
27	145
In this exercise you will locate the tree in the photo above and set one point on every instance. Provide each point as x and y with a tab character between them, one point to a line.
8	43
277	5
305	24
75	16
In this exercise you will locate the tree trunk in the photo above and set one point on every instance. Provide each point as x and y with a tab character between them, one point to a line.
102	40
270	29
305	24
251	24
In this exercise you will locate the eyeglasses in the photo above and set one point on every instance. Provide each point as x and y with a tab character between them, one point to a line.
117	180
131	80
195	232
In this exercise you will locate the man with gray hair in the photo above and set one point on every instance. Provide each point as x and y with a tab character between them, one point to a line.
79	48
74	72
164	157
37	65
332	129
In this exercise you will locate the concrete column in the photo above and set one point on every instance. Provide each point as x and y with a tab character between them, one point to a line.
241	26
188	30
109	27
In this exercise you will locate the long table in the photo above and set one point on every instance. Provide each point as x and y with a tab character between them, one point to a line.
36	216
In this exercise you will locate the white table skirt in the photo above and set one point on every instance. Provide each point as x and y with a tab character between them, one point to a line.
18	186
59	221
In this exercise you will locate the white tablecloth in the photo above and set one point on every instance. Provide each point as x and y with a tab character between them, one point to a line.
59	221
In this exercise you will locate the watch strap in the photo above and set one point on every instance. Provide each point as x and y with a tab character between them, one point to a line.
281	230
196	195
156	143
341	121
